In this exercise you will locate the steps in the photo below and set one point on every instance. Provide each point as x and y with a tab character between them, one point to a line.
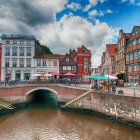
77	98
6	104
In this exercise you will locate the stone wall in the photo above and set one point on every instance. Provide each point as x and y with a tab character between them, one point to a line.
127	108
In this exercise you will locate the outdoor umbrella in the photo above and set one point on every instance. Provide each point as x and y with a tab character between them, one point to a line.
69	74
36	74
48	74
55	74
96	77
111	77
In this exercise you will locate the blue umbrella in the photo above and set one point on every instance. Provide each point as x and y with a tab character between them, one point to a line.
96	77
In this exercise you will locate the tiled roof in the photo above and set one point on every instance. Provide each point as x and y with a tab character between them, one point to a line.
138	27
62	56
111	49
48	56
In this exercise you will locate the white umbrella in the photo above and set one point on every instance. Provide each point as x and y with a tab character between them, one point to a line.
36	74
48	74
111	77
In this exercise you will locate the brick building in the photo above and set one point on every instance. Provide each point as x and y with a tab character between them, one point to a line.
108	65
120	50
0	58
133	56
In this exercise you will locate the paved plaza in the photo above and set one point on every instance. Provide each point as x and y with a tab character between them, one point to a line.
128	91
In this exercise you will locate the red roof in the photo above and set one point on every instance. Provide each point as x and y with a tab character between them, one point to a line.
48	56
111	49
62	56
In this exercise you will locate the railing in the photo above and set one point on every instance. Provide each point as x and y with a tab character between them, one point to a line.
77	98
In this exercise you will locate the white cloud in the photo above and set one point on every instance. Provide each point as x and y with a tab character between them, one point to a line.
94	2
73	31
93	13
109	11
87	7
74	6
132	2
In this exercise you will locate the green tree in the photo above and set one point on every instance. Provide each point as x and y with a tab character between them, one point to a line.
46	50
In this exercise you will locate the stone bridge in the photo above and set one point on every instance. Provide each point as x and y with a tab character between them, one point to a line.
18	93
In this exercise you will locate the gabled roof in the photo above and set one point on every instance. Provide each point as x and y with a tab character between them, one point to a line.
83	47
135	27
71	60
111	49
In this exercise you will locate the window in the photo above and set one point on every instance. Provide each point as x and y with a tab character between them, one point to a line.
131	56
7	62
21	51
73	67
83	51
138	54
67	59
127	57
7	51
21	42
138	40
14	42
85	60
28	42
7	42
85	68
28	62
135	55
28	51
68	67
134	42
44	62
26	76
14	51
64	68
21	62
14	62
49	63
55	62
38	62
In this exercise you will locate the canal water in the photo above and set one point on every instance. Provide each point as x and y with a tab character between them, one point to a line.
41	120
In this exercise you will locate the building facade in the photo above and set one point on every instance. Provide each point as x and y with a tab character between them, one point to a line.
133	56
109	65
120	58
67	64
17	57
0	58
46	63
83	61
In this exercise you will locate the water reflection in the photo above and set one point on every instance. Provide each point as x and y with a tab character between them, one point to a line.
40	122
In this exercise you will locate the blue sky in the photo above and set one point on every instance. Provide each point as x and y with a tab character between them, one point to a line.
68	24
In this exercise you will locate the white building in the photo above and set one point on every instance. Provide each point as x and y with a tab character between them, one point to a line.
47	63
17	57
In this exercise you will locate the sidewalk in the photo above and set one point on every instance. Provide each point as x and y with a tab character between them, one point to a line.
128	91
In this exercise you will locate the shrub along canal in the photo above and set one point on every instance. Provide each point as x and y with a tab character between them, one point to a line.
42	120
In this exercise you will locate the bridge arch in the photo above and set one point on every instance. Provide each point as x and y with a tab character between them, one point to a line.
40	88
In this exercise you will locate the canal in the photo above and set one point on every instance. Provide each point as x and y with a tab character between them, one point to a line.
41	120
